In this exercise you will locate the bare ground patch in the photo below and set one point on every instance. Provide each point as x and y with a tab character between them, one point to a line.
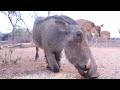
108	60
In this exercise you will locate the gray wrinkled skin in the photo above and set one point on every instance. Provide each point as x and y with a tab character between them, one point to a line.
54	33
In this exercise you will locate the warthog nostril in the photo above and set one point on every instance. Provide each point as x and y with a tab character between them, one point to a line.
78	33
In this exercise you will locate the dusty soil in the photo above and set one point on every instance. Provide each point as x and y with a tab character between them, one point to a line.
108	60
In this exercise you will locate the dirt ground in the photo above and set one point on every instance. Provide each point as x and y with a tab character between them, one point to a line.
108	60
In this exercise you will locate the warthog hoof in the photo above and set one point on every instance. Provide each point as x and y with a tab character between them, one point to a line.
55	69
47	67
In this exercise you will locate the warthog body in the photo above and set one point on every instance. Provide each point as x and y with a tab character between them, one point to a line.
54	33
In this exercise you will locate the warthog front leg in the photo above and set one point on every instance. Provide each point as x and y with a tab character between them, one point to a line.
57	57
47	62
52	63
37	55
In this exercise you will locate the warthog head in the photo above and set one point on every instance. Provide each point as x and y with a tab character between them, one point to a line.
79	54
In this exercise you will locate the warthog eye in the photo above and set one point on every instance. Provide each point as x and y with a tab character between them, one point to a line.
66	33
78	33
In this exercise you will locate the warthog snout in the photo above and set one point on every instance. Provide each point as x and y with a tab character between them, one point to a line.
85	71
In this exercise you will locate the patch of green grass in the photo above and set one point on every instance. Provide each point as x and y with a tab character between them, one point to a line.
8	57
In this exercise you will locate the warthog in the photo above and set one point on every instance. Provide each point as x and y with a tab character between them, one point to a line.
55	33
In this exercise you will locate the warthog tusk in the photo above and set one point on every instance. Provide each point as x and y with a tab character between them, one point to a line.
87	67
88	64
85	72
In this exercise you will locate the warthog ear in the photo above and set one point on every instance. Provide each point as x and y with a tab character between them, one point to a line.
61	23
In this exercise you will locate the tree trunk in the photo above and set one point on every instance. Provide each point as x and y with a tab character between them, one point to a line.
49	13
13	36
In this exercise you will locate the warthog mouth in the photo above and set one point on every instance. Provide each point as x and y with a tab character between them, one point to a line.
87	67
84	71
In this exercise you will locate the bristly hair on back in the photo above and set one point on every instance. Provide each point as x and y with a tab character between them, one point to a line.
64	18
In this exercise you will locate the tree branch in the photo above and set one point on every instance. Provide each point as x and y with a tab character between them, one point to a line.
4	13
10	20
26	26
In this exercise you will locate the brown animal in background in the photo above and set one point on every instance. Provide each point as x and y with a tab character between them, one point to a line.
90	29
106	35
1	47
119	31
55	33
